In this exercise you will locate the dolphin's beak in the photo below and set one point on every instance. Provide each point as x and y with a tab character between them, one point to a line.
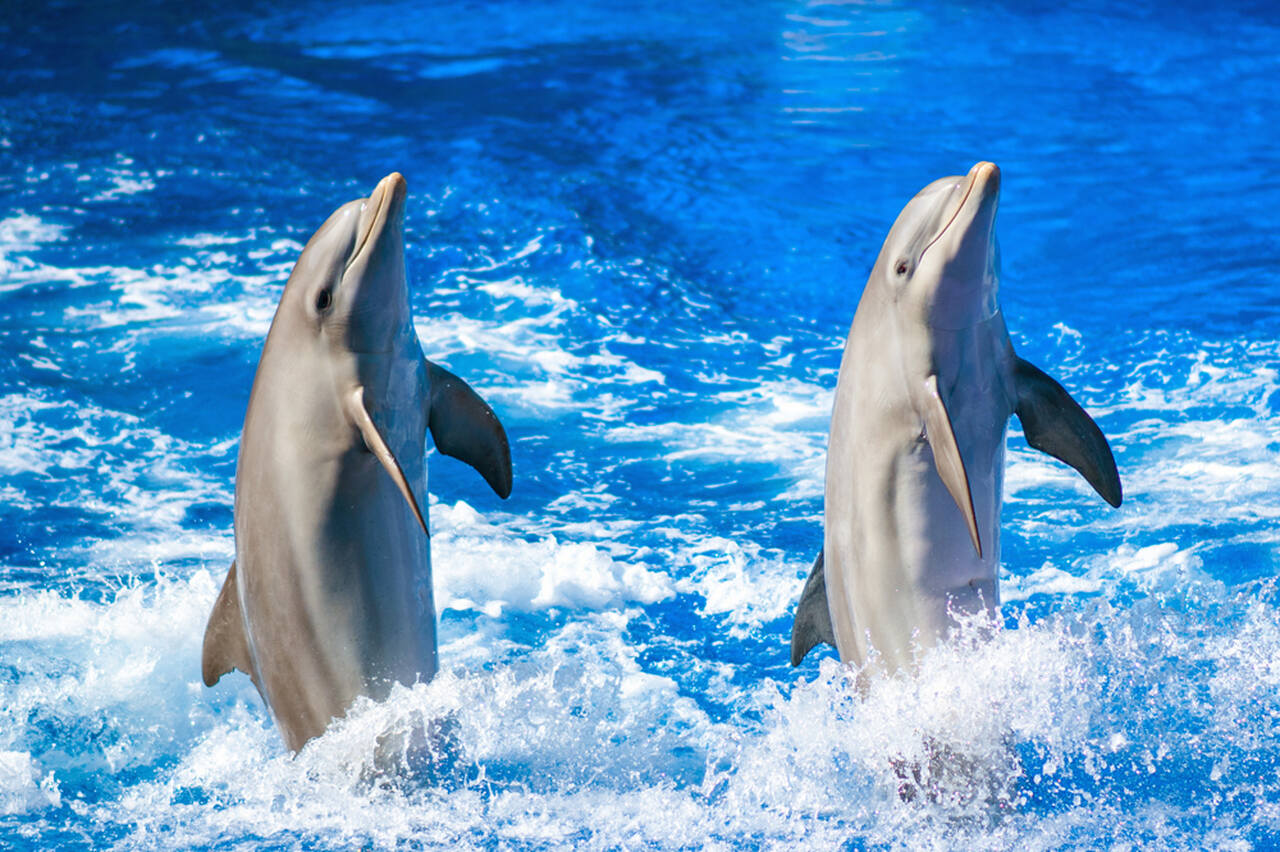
377	300
985	177
984	188
965	253
977	207
384	207
976	218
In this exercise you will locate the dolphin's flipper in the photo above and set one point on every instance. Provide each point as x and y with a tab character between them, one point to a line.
946	456
373	440
813	618
225	646
1055	423
465	427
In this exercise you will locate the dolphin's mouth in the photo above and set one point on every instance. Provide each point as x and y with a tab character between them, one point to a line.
987	175
389	191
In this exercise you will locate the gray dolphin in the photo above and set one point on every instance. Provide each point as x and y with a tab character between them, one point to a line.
329	596
915	461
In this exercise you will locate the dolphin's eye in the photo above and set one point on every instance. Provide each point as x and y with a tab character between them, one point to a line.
323	300
902	267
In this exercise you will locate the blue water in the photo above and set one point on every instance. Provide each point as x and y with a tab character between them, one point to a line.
642	236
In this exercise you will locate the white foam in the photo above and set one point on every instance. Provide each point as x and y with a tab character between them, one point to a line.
203	293
1200	455
19	234
24	232
102	687
22	788
205	240
123	180
572	734
477	566
542	368
542	732
517	289
762	425
124	183
146	490
736	580
1049	579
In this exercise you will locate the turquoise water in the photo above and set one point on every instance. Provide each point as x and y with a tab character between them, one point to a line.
642	235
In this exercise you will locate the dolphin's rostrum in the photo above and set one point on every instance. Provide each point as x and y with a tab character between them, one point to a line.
915	461
330	594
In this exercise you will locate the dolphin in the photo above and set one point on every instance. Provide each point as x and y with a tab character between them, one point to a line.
329	596
915	460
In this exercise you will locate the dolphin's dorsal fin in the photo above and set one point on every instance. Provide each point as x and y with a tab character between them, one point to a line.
373	440
465	427
1055	423
813	618
225	646
946	456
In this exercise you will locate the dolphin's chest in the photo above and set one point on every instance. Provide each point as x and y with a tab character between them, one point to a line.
937	558
335	571
897	548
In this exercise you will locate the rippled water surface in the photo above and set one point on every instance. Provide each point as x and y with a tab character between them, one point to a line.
642	235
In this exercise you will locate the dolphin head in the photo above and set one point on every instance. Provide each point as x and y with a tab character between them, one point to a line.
941	261
349	282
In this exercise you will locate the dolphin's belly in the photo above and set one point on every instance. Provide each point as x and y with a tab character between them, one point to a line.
941	568
335	576
899	561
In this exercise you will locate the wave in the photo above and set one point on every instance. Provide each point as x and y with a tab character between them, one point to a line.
1099	722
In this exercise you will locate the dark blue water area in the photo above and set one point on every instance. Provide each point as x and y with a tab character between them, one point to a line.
641	232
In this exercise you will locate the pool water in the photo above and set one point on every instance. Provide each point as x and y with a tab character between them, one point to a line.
641	234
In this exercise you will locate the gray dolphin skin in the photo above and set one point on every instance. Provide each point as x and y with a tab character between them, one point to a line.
915	460
329	596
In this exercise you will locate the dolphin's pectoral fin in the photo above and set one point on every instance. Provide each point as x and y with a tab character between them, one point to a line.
225	645
465	427
373	440
813	618
1055	423
946	456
